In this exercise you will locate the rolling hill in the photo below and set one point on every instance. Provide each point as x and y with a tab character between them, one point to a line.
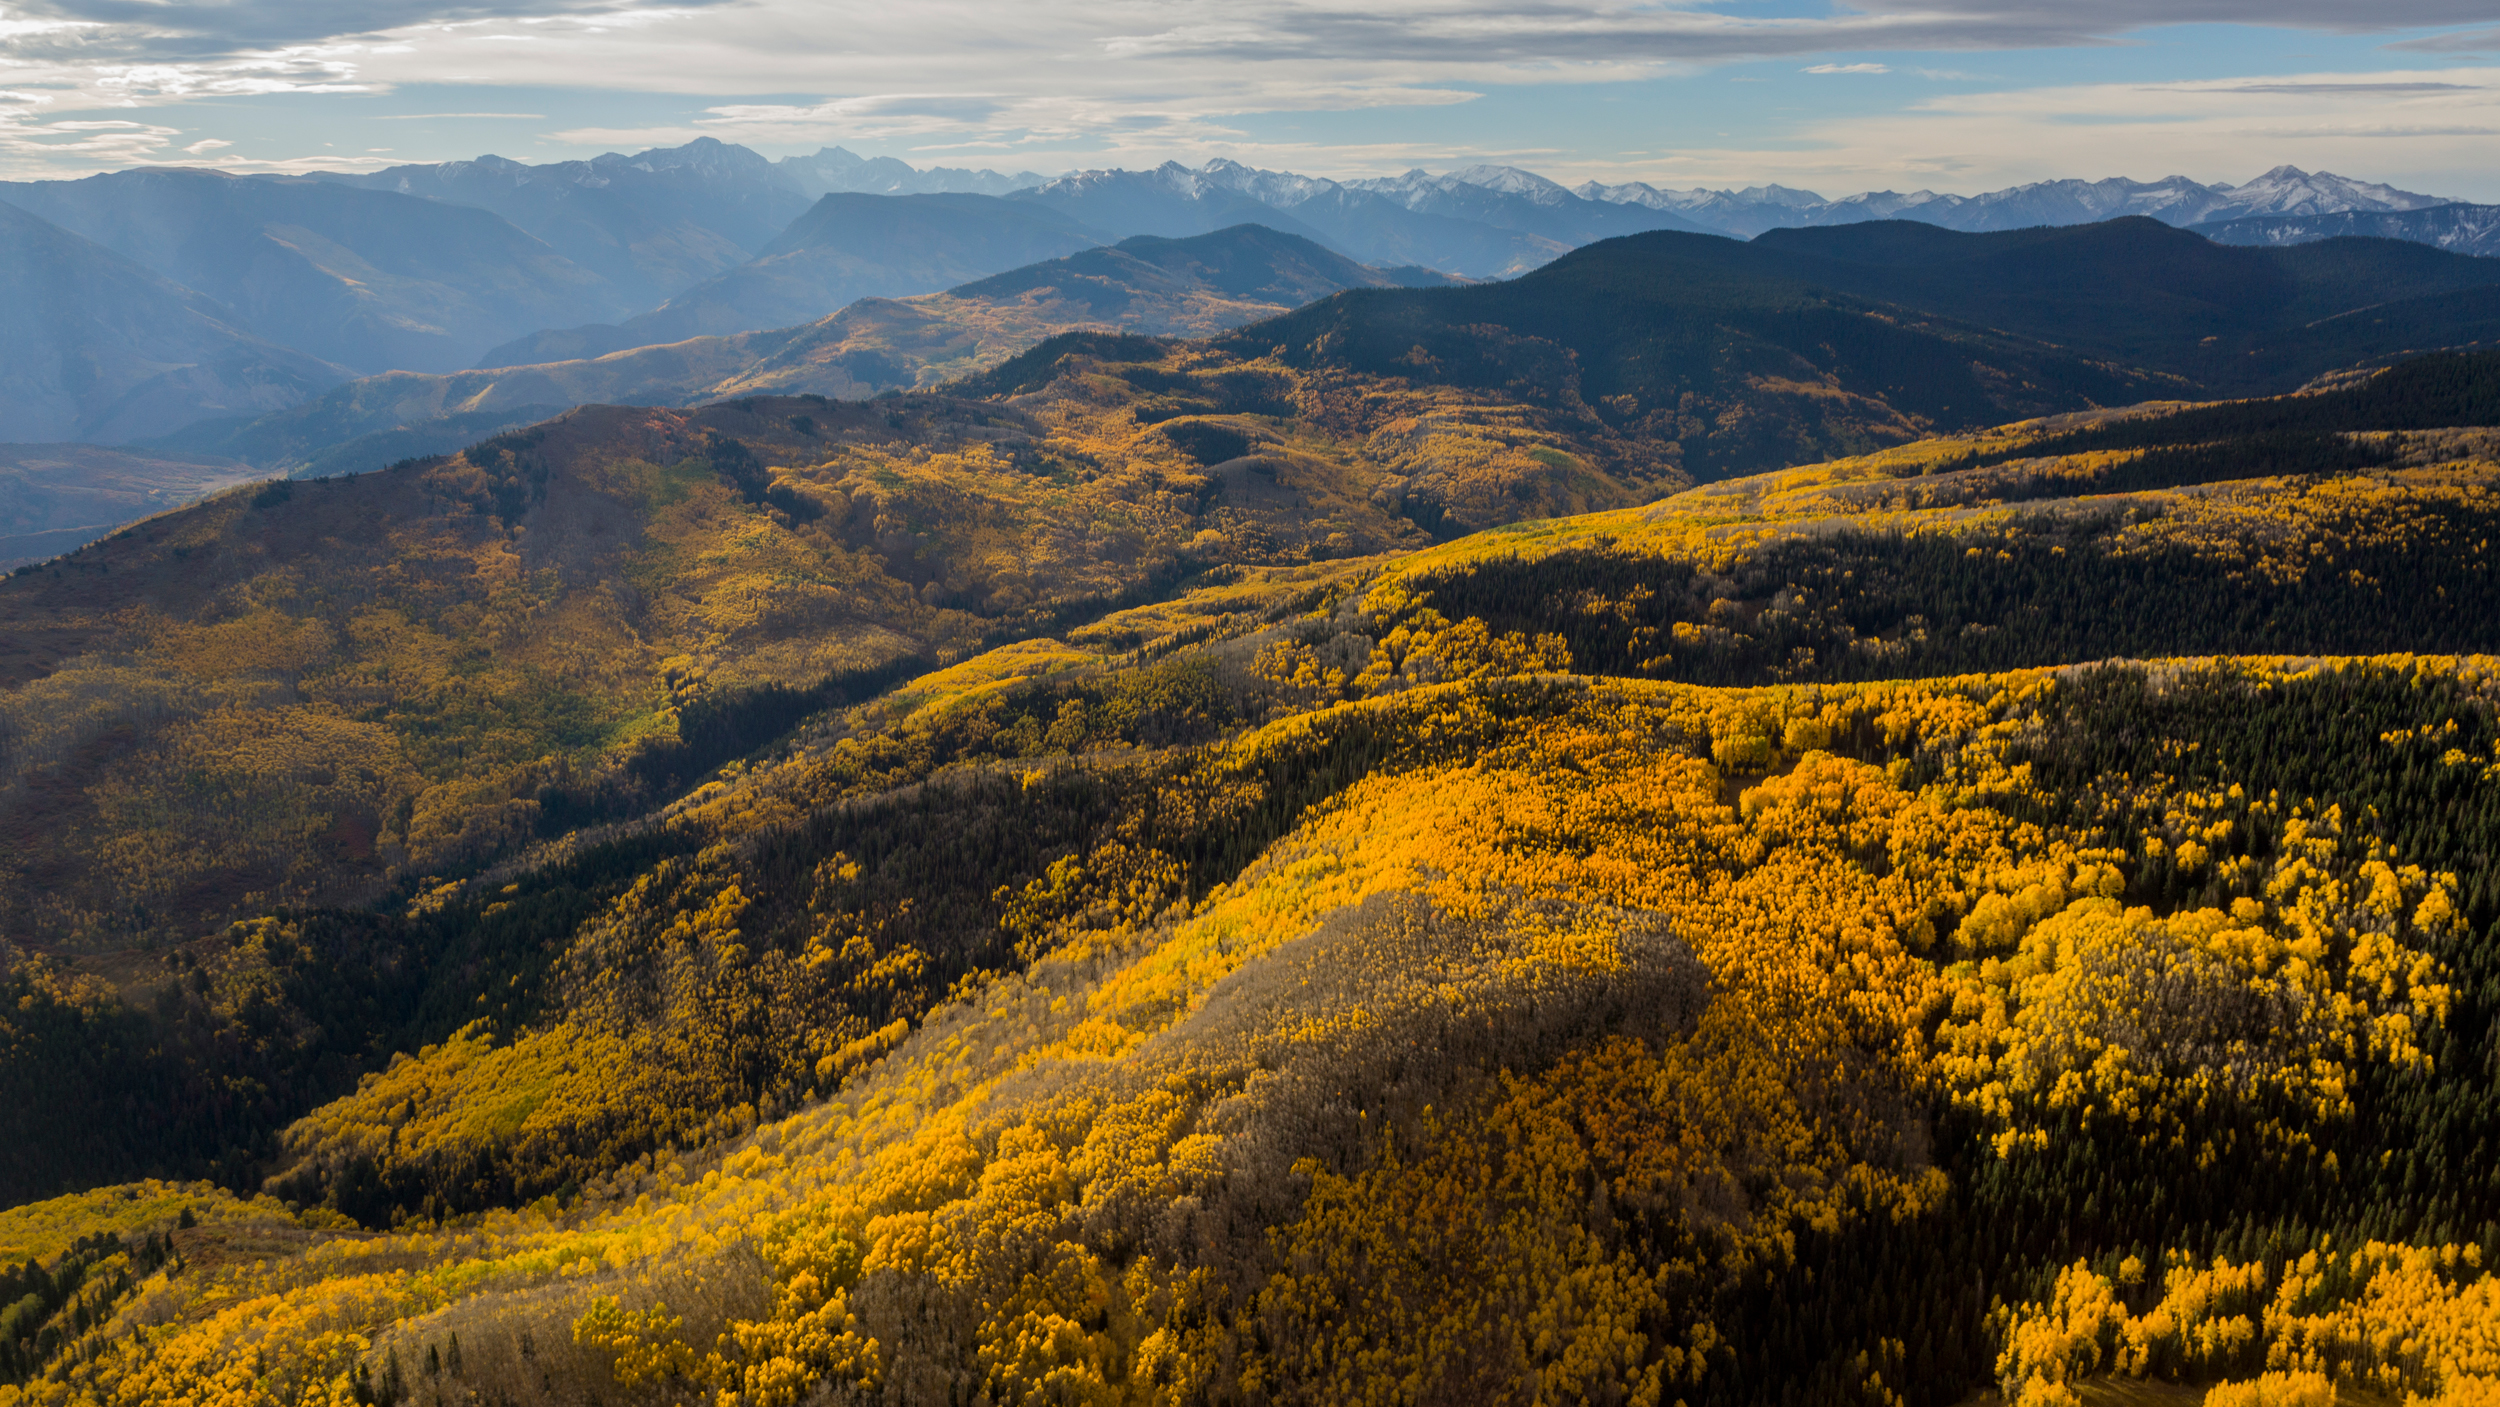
1889	930
1875	817
94	347
1806	343
367	279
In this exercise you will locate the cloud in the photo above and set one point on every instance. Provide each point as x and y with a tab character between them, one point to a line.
2474	41
2336	88
202	148
443	116
784	46
2431	135
1101	82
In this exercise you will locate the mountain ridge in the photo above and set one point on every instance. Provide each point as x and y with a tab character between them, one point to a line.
95	347
369	279
845	247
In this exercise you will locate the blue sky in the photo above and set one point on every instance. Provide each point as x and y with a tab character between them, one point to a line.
1955	95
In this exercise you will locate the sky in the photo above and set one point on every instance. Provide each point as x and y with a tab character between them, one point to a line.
1946	95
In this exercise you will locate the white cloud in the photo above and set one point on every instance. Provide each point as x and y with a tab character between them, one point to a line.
2478	41
2420	133
1055	83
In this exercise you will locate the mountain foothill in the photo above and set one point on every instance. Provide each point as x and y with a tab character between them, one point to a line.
1216	787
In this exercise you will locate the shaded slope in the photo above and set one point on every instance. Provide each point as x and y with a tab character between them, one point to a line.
426	667
2137	290
1805	342
369	279
94	347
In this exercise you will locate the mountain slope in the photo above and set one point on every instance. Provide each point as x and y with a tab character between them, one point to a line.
650	573
653	224
1506	197
1320	977
1188	287
832	169
1191	287
2459	229
94	347
1805	343
846	247
368	279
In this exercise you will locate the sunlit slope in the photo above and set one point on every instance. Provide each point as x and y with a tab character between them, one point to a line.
1622	957
292	693
1261	480
298	693
1617	1040
2358	519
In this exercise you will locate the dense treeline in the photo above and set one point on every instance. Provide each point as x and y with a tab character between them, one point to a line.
2052	590
2426	393
2419	1162
46	1306
1586	965
726	986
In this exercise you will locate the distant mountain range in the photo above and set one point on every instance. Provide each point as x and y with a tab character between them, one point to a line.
369	279
146	300
95	347
1197	286
846	247
2174	200
2462	229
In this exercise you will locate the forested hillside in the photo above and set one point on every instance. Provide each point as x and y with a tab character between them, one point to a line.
1220	873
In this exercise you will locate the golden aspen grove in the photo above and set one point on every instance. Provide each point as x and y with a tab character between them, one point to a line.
1227	872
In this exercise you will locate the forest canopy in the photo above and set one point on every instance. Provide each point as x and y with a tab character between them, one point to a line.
1168	875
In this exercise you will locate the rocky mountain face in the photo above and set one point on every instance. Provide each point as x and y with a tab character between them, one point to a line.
834	169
